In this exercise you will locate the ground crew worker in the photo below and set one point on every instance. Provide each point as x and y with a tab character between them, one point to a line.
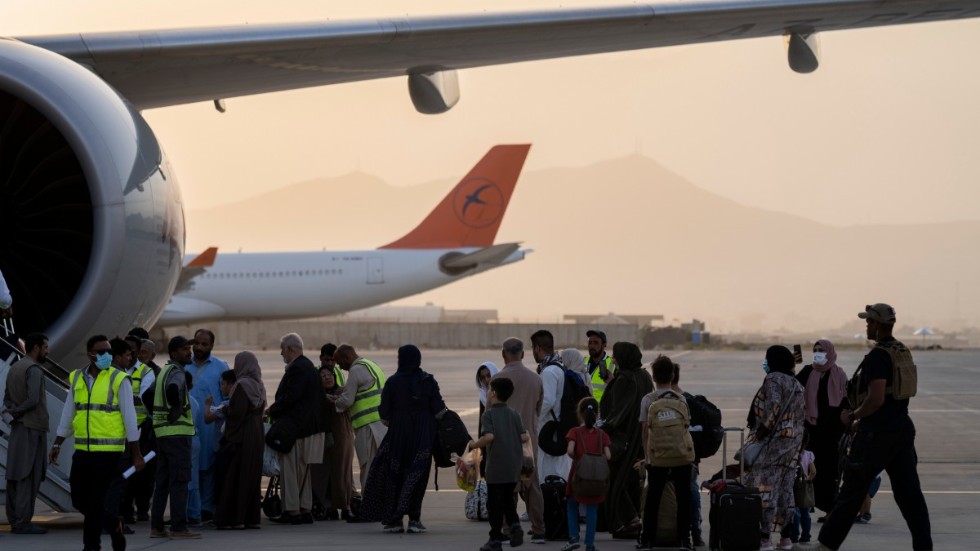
139	487
99	412
173	427
361	397
601	367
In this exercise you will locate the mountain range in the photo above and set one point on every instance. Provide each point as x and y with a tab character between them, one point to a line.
628	236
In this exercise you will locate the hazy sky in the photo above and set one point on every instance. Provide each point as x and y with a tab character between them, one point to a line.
885	132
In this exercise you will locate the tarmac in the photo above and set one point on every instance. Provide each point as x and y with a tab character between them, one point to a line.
946	412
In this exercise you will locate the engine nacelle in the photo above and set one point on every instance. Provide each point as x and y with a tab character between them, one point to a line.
91	224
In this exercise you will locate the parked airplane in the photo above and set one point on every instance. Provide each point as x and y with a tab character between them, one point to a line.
454	241
92	224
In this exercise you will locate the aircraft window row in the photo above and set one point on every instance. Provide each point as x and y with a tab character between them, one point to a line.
287	273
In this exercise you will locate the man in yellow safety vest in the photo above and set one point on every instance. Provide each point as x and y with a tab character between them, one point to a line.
361	397
600	365
99	411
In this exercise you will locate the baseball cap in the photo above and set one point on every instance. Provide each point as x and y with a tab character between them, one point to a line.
880	312
179	342
596	333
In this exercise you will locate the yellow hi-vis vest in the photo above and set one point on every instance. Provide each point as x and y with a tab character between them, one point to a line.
598	384
98	421
162	428
364	410
338	376
139	372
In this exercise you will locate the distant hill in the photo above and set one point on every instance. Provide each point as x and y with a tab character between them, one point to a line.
629	236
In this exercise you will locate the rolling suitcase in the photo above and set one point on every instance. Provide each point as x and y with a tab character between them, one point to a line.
555	514
736	510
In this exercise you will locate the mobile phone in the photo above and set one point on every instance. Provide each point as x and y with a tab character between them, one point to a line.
797	353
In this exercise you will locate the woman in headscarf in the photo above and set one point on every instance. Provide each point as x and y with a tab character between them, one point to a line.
825	395
483	375
399	474
574	362
620	410
776	419
242	446
333	480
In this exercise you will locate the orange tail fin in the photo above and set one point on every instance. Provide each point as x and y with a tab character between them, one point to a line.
471	214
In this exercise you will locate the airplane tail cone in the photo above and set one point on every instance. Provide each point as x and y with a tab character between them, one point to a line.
470	214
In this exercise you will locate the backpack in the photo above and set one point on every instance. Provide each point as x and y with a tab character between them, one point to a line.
591	472
551	436
904	373
708	417
451	437
668	420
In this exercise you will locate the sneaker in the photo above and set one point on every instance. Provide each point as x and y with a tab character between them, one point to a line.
765	545
491	545
785	544
537	539
805	539
159	534
572	544
416	527
394	528
866	517
516	535
184	535
525	517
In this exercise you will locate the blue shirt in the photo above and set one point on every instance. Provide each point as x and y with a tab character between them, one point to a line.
207	382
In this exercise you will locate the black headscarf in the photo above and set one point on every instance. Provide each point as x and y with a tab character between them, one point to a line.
780	360
627	356
409	358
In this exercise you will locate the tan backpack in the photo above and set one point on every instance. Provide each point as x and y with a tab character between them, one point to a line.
669	439
905	378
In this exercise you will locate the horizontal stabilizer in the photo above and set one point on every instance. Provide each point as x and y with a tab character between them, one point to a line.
455	262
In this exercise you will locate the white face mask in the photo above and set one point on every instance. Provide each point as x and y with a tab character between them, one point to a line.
819	358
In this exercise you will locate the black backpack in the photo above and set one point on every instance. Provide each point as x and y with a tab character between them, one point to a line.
451	437
708	416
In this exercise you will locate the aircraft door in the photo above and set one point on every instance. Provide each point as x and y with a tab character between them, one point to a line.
375	270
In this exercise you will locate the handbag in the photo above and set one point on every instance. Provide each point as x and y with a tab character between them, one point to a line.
550	438
272	502
282	435
475	506
751	451
803	491
591	472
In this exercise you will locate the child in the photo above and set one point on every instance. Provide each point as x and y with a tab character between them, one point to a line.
798	529
585	438
213	412
503	435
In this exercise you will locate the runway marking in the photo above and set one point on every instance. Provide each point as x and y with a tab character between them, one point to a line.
911	411
931	492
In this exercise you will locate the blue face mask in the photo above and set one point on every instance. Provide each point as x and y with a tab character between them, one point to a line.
103	360
765	366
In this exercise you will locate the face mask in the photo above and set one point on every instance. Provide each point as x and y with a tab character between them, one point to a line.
765	366
819	358
103	361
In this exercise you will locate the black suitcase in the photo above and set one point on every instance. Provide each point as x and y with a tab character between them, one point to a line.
555	515
736	510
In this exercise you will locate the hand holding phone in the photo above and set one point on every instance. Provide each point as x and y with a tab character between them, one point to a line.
797	354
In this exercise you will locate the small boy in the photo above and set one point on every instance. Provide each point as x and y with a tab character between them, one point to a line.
503	435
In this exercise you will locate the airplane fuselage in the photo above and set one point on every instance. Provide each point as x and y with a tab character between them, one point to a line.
309	284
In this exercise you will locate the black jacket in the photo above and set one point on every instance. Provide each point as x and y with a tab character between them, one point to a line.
300	398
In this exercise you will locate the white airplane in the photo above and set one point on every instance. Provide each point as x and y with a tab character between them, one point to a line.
454	241
92	224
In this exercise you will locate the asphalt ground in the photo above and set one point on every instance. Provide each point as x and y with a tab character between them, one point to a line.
946	412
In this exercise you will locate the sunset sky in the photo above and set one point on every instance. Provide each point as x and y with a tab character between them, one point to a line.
885	132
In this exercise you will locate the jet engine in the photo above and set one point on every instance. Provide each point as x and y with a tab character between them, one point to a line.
91	223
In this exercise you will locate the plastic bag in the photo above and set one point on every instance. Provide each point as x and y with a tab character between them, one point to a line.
468	470
527	461
270	459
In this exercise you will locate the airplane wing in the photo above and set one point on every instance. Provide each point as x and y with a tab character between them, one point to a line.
170	67
194	268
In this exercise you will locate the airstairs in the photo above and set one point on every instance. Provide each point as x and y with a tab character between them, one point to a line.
55	490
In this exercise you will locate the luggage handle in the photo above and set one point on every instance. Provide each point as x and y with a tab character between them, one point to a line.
724	452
